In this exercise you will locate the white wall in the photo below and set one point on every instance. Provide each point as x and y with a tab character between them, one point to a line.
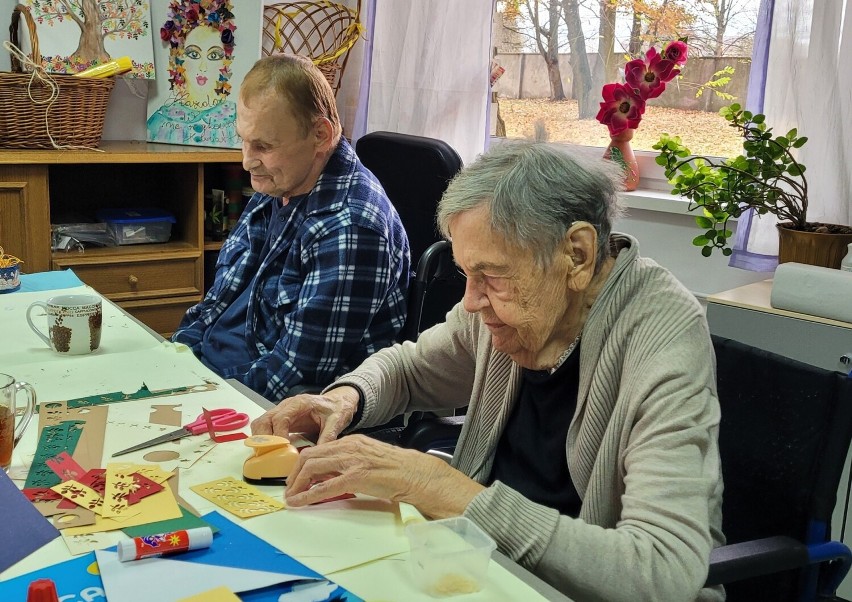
665	235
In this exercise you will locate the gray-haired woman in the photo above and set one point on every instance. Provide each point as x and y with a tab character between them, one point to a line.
589	451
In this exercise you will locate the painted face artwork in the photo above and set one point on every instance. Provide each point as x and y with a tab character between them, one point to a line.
203	60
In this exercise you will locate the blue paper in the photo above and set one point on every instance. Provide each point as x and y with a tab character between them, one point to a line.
232	546
45	281
23	529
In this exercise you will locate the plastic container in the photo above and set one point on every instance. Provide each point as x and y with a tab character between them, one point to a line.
135	226
449	556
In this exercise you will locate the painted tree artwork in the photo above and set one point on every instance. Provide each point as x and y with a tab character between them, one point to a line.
74	35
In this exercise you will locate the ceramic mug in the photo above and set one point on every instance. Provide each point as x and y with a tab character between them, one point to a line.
73	323
9	433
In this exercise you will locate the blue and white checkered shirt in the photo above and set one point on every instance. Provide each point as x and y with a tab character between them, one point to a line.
329	291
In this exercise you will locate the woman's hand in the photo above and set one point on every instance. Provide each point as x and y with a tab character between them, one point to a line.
326	415
360	464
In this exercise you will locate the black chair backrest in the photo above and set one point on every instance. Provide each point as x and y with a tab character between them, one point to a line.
783	438
436	288
415	172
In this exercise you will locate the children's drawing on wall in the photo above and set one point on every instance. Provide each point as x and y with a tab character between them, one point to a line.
201	65
74	35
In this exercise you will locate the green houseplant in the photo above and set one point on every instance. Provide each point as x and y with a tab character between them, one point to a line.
766	177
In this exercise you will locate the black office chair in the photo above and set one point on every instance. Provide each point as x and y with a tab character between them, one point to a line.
436	288
414	171
783	439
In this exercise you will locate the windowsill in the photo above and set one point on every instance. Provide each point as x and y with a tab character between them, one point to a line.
655	200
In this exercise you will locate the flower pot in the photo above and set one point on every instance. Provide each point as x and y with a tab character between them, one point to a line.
10	279
812	248
620	151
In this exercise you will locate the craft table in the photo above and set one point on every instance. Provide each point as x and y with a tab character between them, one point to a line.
358	543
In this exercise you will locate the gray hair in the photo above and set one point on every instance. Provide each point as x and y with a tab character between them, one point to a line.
534	193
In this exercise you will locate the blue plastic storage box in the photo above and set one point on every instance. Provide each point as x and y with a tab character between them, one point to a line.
135	226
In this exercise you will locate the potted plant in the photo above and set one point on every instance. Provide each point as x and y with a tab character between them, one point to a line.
766	178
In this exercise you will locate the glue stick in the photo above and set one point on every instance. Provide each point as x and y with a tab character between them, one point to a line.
115	67
164	544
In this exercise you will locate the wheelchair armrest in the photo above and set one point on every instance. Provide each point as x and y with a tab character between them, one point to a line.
309	389
431	432
754	558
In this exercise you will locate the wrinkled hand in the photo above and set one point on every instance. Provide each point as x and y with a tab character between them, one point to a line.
326	415
359	464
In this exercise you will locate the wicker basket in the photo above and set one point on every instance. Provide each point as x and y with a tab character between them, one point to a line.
323	31
74	118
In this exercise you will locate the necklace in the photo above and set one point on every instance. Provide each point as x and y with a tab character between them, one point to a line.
565	355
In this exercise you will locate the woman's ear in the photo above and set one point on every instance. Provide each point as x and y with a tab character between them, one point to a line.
581	246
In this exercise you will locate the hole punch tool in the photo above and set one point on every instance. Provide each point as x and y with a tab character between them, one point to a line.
271	462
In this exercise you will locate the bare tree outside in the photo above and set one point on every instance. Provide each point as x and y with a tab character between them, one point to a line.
596	38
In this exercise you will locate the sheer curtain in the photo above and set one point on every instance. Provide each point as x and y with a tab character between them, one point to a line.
809	87
429	72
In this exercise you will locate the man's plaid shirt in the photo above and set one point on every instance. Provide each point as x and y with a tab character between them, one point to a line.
330	291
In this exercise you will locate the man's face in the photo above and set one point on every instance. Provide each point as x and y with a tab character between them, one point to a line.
521	304
283	161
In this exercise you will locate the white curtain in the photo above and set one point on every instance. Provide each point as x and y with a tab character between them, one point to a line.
430	70
809	87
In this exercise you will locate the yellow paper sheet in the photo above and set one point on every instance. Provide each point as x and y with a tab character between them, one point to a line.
157	507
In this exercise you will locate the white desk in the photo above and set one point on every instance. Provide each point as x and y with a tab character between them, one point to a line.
358	543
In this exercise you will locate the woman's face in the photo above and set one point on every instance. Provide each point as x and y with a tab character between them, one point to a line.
522	305
203	59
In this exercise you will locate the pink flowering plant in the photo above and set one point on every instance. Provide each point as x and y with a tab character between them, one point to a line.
645	78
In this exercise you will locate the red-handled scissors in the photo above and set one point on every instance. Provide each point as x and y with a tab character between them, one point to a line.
223	419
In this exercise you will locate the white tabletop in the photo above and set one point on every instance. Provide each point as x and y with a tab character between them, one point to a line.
358	543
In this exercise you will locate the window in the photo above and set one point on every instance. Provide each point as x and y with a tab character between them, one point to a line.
540	81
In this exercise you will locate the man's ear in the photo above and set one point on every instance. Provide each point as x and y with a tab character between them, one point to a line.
581	245
323	133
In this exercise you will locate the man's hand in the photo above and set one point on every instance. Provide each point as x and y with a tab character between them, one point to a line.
324	415
360	464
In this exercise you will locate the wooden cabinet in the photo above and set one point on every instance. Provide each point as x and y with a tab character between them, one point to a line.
156	282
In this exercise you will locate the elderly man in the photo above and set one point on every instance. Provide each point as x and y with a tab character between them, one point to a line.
589	451
313	278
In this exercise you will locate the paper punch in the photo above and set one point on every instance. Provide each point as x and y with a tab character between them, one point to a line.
271	462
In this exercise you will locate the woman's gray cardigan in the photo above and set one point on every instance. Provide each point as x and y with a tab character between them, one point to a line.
642	447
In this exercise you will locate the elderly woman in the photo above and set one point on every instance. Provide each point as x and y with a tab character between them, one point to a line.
589	451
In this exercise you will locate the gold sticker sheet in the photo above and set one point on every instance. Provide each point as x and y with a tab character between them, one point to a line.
238	497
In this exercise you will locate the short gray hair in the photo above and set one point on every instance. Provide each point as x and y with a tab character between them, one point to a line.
534	192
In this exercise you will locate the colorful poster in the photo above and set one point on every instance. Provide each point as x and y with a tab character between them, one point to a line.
74	35
205	49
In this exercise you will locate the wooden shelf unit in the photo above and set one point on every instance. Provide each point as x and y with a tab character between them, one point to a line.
154	282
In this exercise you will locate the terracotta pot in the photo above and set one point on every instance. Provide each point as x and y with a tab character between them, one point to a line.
620	151
812	248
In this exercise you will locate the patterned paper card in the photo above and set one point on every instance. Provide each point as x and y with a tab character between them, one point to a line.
80	495
238	497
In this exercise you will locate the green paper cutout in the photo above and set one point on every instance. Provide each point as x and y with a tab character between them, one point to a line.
54	439
143	393
187	521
